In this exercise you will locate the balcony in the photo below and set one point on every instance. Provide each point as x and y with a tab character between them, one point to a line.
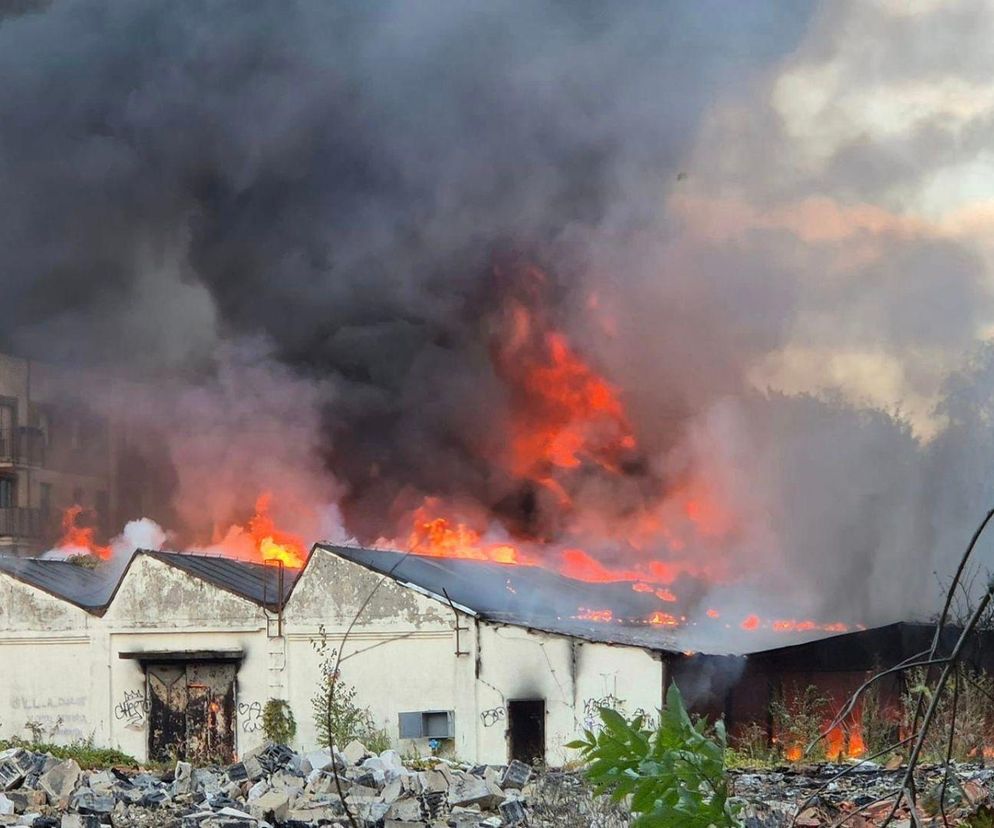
22	446
20	522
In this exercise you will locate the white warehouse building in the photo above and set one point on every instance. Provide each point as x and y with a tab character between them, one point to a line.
178	656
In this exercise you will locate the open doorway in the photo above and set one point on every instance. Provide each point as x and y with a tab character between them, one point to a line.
526	730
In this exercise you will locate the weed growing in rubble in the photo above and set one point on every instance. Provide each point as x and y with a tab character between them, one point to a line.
278	722
83	751
674	774
974	715
750	747
798	718
337	716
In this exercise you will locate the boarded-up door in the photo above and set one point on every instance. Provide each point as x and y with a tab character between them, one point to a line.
192	712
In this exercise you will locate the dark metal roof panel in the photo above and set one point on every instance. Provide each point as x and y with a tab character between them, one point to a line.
86	588
523	596
255	582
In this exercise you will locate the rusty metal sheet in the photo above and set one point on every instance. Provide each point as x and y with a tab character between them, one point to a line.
167	695
192	712
210	716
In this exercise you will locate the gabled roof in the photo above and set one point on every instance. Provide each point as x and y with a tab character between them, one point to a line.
85	588
257	583
523	596
93	590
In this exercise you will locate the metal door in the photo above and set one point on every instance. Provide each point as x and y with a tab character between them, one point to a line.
192	712
167	712
210	714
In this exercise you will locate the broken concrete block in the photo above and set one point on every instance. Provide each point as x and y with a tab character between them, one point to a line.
272	806
374	765
6	806
405	809
512	811
237	772
471	790
258	789
354	752
516	775
183	778
433	780
80	821
86	802
26	799
10	776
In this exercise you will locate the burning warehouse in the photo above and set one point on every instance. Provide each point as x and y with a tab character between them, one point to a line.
179	654
500	361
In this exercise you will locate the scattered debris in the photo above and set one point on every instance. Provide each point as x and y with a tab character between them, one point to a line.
779	798
268	787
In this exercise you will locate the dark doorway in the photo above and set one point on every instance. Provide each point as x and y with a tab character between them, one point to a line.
191	712
526	730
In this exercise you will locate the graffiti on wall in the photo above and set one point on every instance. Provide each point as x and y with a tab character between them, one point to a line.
60	717
493	716
250	715
133	709
592	706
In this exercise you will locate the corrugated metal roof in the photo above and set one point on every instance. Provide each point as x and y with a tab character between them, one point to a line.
88	589
525	596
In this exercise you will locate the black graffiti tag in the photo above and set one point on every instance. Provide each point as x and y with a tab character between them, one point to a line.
250	716
133	709
492	716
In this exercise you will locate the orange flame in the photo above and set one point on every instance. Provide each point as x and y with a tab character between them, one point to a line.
75	537
272	543
437	537
262	540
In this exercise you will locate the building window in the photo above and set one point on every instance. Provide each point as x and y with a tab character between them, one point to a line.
8	492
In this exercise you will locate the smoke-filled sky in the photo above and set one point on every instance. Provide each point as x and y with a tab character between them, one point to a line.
767	224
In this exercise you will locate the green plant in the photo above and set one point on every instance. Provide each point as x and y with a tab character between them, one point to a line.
798	720
83	751
674	774
377	740
750	747
337	717
878	727
973	714
278	722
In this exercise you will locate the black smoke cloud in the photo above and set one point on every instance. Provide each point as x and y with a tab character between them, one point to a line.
339	178
184	180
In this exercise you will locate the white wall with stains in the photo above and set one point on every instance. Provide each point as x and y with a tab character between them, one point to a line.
401	656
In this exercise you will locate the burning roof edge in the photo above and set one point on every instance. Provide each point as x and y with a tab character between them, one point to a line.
594	633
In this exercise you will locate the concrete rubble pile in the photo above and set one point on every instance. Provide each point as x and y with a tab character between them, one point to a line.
272	786
778	799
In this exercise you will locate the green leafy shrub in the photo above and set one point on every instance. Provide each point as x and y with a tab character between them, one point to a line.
278	722
674	775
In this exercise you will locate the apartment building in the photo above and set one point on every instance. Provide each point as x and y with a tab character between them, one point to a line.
55	451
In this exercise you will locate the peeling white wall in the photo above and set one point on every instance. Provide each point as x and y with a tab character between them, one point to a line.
400	656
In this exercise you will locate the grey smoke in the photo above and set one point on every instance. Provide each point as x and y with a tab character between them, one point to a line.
338	180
